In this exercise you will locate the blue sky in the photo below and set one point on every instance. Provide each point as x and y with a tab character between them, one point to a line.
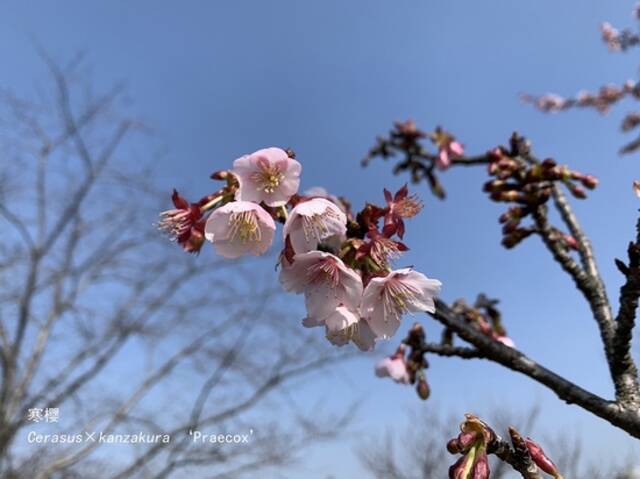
218	79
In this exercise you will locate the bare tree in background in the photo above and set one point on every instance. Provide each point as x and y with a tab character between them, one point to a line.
104	320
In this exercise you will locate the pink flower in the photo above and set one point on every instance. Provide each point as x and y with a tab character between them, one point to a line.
394	367
399	206
267	175
312	222
239	228
611	36
326	283
386	299
551	103
183	223
448	149
320	192
340	325
363	336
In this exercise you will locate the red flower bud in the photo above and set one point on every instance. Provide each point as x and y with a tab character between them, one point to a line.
578	192
570	241
466	440
540	458
549	163
453	446
461	468
481	468
423	390
510	226
589	181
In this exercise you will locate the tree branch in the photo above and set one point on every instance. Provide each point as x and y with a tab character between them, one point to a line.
623	364
626	419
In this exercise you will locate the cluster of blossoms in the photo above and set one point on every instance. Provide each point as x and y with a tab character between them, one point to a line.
527	185
485	317
407	139
476	440
407	364
602	100
339	261
617	40
607	95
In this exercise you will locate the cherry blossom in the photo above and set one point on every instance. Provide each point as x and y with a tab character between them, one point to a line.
363	336
312	222
267	175
380	248
611	36
183	223
394	367
320	192
448	148
387	298
400	206
240	228
326	283
339	325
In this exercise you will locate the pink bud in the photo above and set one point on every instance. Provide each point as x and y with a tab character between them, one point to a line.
570	241
453	446
481	468
541	459
589	181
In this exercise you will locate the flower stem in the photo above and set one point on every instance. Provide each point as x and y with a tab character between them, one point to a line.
212	203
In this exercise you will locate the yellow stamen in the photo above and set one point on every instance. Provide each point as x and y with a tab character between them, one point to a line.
396	298
268	178
316	226
243	225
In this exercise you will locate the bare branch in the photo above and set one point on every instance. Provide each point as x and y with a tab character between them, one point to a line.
610	411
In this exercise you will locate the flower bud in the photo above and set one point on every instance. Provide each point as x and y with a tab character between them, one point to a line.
514	238
496	153
481	468
423	390
570	241
453	446
549	163
219	175
463	467
416	334
578	192
513	213
540	458
510	226
589	181
507	164
466	440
